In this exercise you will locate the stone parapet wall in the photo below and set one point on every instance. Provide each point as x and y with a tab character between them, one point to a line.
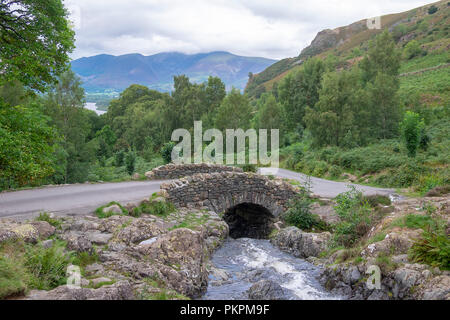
222	191
173	171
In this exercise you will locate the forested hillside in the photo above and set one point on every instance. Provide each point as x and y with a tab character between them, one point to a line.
369	117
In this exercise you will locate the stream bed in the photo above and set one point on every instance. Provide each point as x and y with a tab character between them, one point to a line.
240	263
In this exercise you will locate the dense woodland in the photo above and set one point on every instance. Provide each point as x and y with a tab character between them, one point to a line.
332	120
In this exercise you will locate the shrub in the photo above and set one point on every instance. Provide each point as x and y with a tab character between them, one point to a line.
44	216
119	158
13	277
432	248
250	168
375	200
412	128
299	214
130	162
355	217
432	10
166	152
47	266
412	49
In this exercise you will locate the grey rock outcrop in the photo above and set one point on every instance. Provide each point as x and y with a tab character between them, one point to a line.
301	244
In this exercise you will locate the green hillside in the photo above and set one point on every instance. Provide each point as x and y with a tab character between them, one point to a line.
430	29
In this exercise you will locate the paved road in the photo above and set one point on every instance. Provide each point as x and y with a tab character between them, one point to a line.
73	199
327	188
85	198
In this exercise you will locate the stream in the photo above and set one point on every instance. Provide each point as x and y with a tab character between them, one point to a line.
240	263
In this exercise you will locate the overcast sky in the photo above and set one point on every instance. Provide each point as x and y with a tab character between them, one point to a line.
265	28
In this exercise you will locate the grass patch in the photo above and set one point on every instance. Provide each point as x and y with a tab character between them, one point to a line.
103	215
156	208
192	221
162	293
25	267
299	214
433	248
44	216
83	259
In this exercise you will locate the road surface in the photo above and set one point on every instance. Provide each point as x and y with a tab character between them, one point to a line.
326	188
85	198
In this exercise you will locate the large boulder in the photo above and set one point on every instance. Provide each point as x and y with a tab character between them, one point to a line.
301	244
397	243
78	242
115	209
44	229
138	230
119	291
183	257
266	290
10	230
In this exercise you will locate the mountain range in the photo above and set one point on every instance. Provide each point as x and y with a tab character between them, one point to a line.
115	73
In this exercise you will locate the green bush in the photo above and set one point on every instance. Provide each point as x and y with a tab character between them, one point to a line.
250	168
355	217
44	216
433	248
412	127
157	208
166	152
130	162
47	266
299	214
13	277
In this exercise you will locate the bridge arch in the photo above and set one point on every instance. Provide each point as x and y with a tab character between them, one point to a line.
240	197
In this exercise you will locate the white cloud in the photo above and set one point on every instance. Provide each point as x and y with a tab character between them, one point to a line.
268	28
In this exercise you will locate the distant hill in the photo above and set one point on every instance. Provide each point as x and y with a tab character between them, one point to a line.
430	27
106	73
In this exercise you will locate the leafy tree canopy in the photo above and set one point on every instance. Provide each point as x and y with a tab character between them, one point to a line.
35	39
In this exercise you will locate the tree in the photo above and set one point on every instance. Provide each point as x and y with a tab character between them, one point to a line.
130	162
35	40
379	73
27	145
339	117
235	112
384	106
300	90
412	127
214	95
64	104
383	57
269	114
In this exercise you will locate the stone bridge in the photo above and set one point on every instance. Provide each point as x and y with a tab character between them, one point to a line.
249	202
173	171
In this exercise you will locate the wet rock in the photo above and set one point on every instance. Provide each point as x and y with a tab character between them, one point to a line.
266	290
301	244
